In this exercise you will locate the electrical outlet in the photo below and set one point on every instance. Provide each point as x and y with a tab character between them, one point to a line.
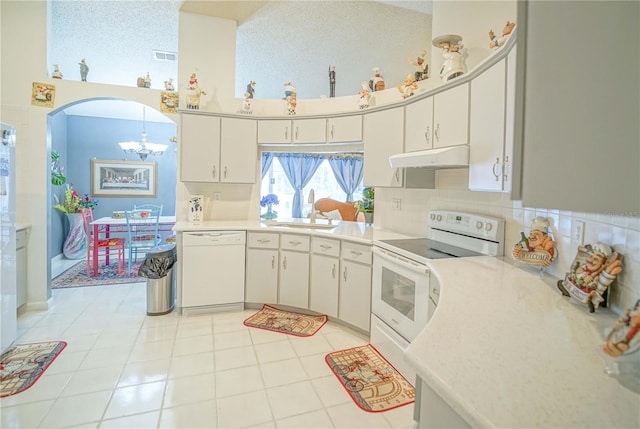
578	232
396	203
217	196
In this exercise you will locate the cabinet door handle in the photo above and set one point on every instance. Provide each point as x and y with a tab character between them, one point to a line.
333	271
214	171
497	164
332	128
225	171
344	274
295	243
273	262
296	132
426	135
286	133
356	253
325	247
284	262
264	240
397	174
437	132
504	168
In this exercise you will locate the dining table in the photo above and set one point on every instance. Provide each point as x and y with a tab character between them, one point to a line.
104	227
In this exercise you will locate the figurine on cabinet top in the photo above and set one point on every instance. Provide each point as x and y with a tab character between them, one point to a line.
364	95
194	92
376	83
57	74
453	65
407	88
289	89
251	90
147	81
292	102
496	42
594	268
332	81
422	68
538	249
84	70
168	85
623	337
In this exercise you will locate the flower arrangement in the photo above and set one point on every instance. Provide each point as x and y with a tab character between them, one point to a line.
57	175
269	199
73	202
365	205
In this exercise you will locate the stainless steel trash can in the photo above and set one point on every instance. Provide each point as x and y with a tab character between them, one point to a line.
157	268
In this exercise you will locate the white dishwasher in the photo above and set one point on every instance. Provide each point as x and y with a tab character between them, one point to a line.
213	267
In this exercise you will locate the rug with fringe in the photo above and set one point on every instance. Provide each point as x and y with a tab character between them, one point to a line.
76	276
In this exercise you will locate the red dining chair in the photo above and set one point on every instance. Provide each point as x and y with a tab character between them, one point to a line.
110	245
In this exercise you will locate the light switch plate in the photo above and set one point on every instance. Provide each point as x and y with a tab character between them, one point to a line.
396	204
578	232
217	196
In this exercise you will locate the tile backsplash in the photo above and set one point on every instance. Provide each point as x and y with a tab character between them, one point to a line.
621	232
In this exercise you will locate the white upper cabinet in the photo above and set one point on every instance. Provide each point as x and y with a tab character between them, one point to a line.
344	129
451	117
418	125
217	150
309	131
487	129
579	132
199	148
238	151
299	131
274	131
383	137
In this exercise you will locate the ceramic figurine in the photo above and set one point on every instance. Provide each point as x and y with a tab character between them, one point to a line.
364	95
84	70
251	90
168	85
422	68
407	88
453	65
624	338
292	102
289	89
594	268
196	208
147	81
496	42
376	83
193	93
538	249
57	74
332	81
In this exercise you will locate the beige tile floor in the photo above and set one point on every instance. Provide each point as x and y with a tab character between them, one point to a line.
123	369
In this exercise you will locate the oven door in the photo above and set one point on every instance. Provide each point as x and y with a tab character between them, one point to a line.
400	292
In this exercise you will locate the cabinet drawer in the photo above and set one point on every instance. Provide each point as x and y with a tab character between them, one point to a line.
263	241
21	239
356	252
294	242
325	246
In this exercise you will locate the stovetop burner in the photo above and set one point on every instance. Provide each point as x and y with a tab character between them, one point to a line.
430	249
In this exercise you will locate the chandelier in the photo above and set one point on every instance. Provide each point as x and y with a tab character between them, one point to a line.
143	148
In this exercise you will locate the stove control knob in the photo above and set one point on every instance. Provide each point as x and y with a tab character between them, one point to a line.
488	226
433	216
439	218
479	224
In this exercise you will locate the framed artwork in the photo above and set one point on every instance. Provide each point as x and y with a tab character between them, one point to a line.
43	94
123	178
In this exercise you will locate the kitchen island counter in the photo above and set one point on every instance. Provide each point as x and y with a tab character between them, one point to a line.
505	349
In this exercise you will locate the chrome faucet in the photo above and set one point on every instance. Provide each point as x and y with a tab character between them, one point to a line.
312	200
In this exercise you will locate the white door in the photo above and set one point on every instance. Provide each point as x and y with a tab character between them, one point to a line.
344	129
294	279
383	137
199	148
418	125
323	284
451	117
262	276
309	131
239	151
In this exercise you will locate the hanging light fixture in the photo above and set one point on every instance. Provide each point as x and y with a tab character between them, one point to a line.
143	148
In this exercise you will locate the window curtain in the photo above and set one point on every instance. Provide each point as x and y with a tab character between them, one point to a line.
267	160
299	169
348	171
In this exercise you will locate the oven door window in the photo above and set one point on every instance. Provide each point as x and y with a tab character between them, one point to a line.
399	292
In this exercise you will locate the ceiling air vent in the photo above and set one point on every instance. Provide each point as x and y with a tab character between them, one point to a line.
165	55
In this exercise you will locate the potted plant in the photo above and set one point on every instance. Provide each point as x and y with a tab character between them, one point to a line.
269	201
75	245
365	205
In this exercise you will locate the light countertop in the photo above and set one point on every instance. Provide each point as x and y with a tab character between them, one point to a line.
505	349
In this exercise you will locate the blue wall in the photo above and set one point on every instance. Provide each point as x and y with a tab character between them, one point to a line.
85	138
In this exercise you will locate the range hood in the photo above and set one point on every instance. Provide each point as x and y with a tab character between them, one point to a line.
446	157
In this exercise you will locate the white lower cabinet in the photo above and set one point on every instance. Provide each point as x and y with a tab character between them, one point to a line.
324	276
262	268
431	411
293	289
354	299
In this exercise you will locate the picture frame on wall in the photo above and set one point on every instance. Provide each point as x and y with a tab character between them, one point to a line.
123	178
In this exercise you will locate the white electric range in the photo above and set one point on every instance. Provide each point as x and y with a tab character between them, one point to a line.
404	295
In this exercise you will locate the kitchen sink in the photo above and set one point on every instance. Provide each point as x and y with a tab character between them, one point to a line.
301	224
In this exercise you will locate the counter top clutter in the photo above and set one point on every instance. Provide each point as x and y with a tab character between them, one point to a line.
505	349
